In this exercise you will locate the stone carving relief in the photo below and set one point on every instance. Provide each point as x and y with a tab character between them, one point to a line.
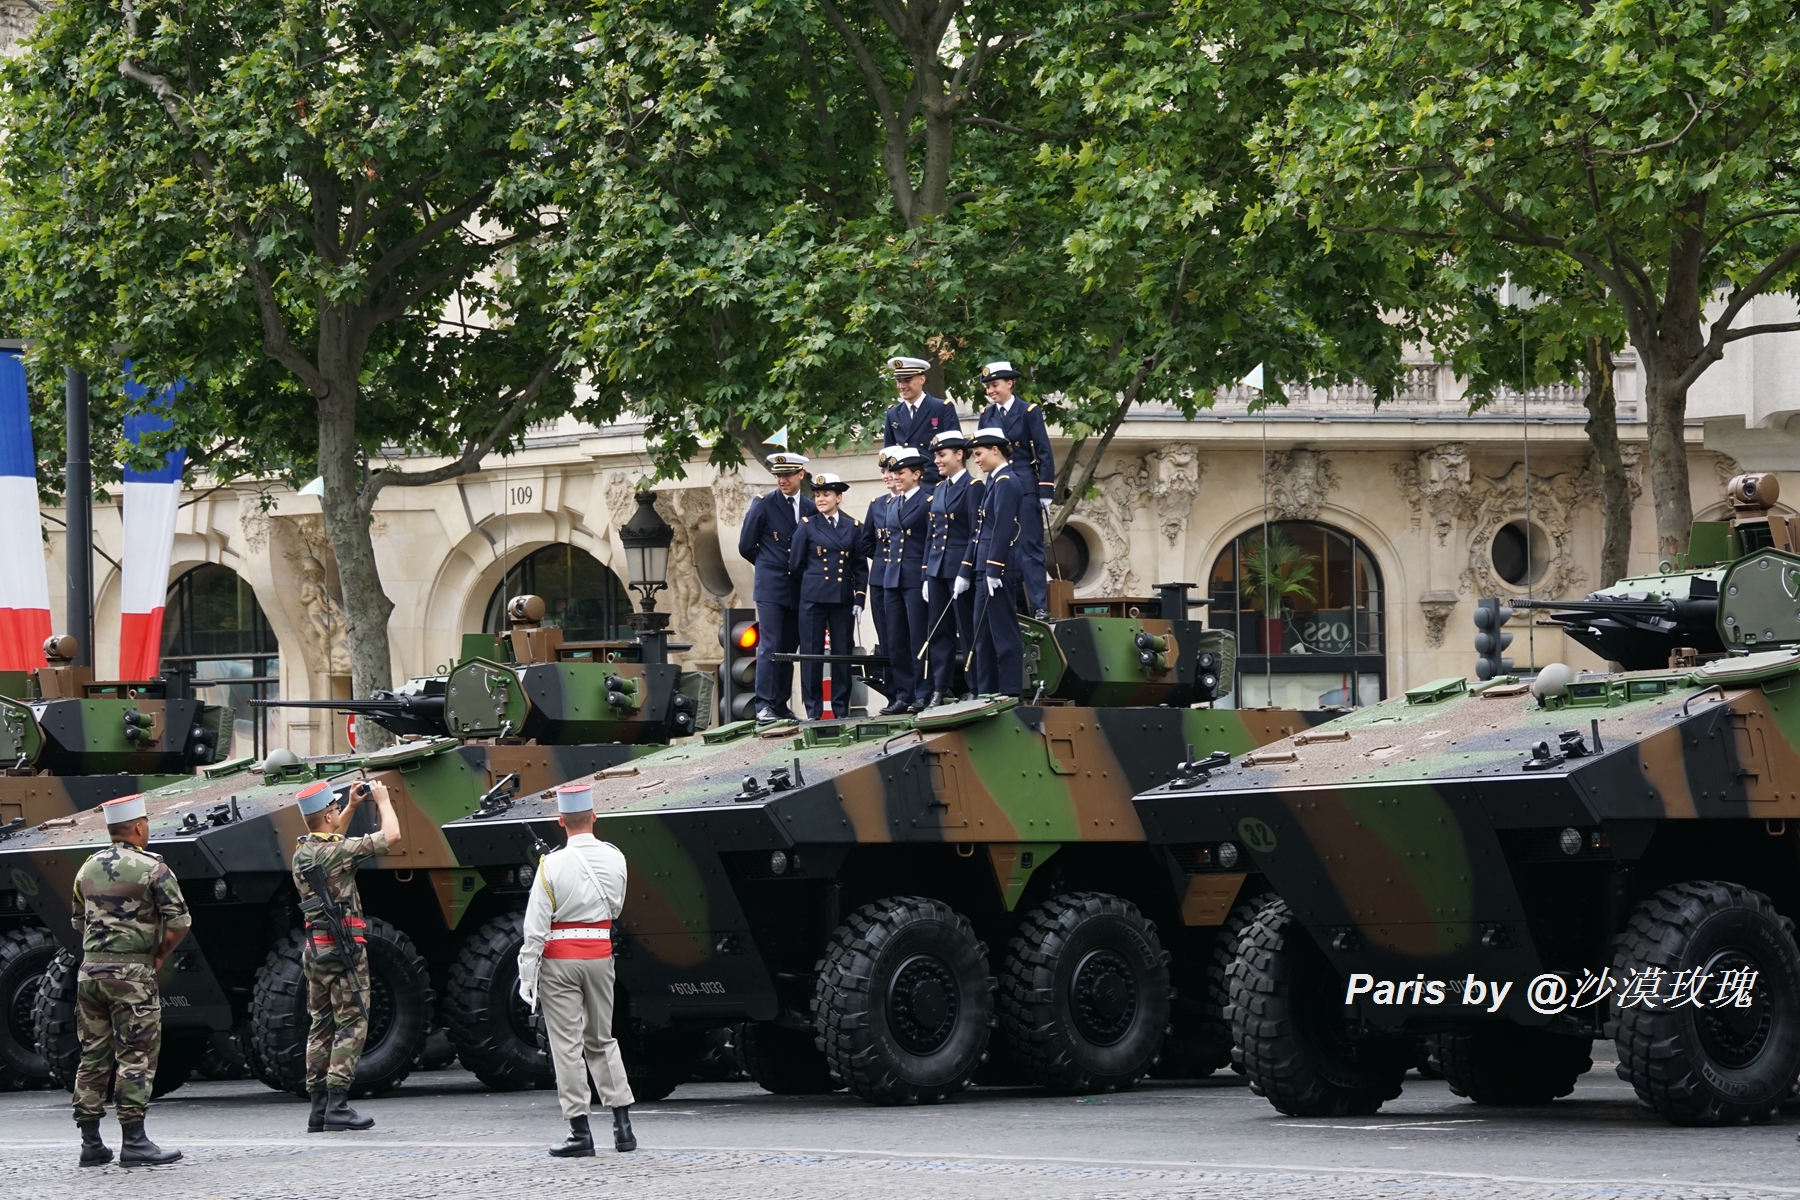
1175	473
1725	467
1122	495
731	497
1299	482
1494	501
308	552
1437	607
1437	482
695	613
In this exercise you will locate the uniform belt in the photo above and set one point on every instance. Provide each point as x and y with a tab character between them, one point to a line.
117	959
578	939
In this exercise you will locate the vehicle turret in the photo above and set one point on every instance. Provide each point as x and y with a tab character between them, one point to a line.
1645	622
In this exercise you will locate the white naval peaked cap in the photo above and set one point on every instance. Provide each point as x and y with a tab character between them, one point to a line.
903	367
826	481
575	798
990	436
999	369
313	797
785	463
125	808
906	456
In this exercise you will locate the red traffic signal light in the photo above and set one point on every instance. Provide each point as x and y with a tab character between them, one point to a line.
745	636
738	636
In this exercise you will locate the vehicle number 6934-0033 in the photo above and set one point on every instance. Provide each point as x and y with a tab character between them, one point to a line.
706	987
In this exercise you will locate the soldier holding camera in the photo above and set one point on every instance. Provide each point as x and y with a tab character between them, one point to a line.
336	958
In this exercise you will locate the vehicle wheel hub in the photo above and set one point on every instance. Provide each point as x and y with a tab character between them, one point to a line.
923	1001
1733	1036
1105	997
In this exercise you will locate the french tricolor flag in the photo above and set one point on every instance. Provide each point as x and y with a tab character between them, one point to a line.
151	501
24	587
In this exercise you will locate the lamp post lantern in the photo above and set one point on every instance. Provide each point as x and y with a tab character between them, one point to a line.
647	538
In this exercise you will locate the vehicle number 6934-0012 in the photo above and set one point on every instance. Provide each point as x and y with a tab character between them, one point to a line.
706	987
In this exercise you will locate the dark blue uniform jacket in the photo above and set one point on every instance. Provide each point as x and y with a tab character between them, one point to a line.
765	540
829	561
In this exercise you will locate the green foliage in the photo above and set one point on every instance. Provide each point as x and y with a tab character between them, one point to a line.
365	195
1274	572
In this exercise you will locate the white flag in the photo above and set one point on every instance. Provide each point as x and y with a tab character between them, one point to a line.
1253	379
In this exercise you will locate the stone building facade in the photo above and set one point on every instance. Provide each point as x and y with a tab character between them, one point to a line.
1407	514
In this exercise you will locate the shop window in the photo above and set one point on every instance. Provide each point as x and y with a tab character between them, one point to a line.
1307	610
581	596
214	628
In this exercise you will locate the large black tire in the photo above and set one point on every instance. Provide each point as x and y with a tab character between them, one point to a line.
53	1020
25	954
399	1013
787	1062
53	1025
1722	1064
658	1063
1199	1040
1511	1064
1292	1040
1084	994
905	1003
438	1053
491	1027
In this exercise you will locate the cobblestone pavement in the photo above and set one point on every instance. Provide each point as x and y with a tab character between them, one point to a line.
441	1135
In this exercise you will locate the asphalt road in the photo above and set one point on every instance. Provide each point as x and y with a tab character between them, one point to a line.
441	1135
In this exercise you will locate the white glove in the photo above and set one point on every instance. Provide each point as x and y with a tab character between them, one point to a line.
855	613
926	591
1045	501
959	587
528	993
993	585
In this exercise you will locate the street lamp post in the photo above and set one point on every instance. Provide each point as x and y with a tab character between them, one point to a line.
647	538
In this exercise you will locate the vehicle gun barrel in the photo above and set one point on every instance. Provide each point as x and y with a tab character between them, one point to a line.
397	714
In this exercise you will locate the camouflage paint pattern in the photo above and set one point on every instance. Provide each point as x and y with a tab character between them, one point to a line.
568	703
1422	834
123	901
337	1003
118	1020
1013	786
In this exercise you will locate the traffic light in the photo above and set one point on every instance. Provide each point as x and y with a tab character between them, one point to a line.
1491	640
737	672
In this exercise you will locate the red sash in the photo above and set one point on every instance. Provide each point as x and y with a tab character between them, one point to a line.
579	939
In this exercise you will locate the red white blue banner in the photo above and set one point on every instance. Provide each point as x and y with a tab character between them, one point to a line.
24	586
152	499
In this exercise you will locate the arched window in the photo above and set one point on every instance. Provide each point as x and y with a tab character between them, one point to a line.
581	596
1307	612
214	628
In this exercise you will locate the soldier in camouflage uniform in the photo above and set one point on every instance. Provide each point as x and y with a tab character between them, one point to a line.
337	985
129	914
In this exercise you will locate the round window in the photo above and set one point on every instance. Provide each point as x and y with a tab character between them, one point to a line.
1070	557
1521	553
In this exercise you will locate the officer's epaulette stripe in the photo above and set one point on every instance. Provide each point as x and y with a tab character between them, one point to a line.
805	520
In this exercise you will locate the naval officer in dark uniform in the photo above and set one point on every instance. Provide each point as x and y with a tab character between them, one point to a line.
765	540
953	504
917	418
905	576
877	528
834	579
992	566
1034	467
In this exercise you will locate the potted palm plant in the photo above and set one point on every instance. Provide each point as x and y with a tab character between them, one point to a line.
1272	574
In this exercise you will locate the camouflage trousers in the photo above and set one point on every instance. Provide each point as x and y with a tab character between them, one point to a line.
337	999
118	1019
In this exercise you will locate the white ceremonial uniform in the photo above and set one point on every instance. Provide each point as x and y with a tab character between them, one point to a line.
566	966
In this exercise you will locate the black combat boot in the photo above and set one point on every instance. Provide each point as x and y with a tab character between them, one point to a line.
624	1141
937	698
315	1123
93	1151
137	1150
340	1116
580	1142
894	707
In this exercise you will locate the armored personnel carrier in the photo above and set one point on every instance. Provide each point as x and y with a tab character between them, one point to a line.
434	922
67	744
1514	870
876	899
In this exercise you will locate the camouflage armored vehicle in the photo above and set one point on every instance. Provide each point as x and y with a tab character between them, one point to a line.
67	744
873	898
1514	870
228	836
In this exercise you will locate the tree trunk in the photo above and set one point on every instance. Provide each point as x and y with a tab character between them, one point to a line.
1603	434
1665	401
366	605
